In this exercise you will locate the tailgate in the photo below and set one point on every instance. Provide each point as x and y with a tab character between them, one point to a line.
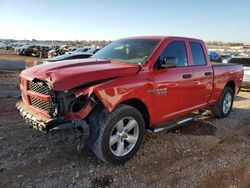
246	77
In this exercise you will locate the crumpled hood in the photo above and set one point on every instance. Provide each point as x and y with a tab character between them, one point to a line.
65	75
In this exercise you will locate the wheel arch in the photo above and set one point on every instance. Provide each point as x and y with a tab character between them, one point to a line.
141	107
231	84
134	102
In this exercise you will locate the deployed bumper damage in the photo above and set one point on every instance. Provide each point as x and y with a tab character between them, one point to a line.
34	120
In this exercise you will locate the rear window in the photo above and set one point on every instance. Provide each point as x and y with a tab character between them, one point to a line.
197	53
242	61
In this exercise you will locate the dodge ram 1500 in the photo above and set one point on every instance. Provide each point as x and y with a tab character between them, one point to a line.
131	85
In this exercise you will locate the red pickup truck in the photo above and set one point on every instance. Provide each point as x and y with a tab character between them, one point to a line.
132	84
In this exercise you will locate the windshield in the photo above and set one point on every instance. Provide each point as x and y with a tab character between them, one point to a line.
134	51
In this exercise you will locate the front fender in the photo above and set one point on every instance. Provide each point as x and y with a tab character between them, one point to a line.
111	97
115	92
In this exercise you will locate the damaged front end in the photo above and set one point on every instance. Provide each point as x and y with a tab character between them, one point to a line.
35	120
46	110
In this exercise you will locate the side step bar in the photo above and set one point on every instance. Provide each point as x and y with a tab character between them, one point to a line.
170	125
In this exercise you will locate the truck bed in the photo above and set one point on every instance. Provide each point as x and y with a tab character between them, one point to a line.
227	72
223	64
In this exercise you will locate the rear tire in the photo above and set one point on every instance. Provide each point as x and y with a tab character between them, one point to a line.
224	105
120	134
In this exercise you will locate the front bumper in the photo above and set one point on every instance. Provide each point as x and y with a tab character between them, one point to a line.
35	120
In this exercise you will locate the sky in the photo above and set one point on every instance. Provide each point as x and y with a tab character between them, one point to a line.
210	20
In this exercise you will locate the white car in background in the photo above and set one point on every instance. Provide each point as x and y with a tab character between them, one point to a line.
243	54
245	62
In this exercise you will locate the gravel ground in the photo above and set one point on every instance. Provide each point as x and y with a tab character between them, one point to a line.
206	153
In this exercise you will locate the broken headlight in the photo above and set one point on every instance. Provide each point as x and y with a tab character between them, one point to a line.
79	103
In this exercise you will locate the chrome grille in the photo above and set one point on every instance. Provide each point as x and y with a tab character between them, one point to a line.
40	87
43	88
43	105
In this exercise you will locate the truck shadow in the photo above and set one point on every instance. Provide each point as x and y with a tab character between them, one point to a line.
198	128
240	98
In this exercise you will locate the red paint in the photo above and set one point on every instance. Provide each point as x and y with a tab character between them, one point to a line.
39	95
81	114
128	81
39	111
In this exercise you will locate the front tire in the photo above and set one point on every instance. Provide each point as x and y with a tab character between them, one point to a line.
120	135
224	106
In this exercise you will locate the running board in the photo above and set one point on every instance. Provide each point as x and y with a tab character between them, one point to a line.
171	125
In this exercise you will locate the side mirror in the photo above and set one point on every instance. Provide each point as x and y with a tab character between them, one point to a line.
169	62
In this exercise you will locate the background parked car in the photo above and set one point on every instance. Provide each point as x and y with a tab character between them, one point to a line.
243	54
214	56
58	50
43	51
28	50
245	61
93	50
225	58
82	50
67	56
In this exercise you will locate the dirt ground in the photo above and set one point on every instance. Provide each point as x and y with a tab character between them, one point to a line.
206	153
10	55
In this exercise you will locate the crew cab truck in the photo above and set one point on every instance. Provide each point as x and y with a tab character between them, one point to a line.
131	85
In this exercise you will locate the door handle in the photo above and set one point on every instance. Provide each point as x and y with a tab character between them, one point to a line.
185	76
208	73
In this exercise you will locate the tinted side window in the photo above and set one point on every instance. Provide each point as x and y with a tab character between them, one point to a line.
197	53
175	51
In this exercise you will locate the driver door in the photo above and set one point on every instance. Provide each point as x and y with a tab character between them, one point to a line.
172	82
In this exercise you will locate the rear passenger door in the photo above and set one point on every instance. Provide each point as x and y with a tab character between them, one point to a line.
202	74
